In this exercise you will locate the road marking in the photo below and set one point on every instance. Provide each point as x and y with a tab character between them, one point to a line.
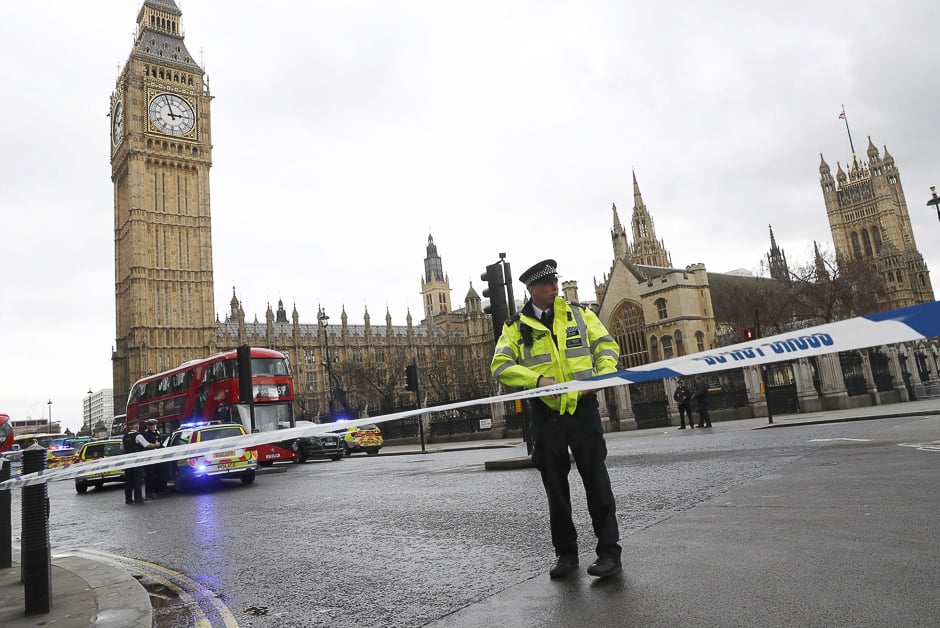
933	445
189	591
827	440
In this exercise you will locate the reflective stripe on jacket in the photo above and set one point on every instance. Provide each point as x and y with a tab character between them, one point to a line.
584	348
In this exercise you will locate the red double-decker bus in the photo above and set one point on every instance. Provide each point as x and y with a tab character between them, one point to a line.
200	391
6	432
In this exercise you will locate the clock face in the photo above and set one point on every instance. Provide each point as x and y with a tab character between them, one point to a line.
117	123
172	115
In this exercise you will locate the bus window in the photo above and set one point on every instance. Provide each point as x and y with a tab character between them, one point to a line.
137	392
269	366
181	381
163	386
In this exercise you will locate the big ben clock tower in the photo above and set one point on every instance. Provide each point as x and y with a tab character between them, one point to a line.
161	151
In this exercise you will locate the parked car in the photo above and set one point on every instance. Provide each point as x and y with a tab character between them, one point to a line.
367	438
237	462
318	446
95	450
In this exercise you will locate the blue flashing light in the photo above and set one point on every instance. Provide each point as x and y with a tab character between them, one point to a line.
201	468
193	424
341	419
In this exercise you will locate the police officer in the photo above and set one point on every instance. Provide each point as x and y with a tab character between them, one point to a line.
154	481
133	442
549	341
701	400
683	398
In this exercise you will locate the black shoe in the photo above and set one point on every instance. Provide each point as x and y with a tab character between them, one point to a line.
565	565
699	425
681	427
128	501
604	567
708	425
691	425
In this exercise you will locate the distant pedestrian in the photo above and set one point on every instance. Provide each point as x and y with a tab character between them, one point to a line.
683	399
552	340
701	401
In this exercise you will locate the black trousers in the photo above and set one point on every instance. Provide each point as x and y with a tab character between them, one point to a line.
132	485
552	435
703	418
685	412
153	479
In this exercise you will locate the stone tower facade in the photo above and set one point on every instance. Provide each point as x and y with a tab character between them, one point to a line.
435	285
161	152
869	221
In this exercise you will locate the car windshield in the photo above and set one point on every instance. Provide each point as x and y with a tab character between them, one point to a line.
222	432
368	427
101	450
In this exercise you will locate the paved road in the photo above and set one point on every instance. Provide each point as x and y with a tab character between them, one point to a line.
412	540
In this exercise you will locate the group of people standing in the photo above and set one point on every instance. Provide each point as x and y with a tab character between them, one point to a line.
143	482
684	396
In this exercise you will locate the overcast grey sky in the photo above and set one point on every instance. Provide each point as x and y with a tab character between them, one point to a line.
345	132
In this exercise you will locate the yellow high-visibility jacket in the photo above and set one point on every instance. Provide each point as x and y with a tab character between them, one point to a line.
584	348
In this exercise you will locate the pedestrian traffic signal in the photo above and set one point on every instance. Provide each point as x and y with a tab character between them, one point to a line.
496	293
411	378
749	334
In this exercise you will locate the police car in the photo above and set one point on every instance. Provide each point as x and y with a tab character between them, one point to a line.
235	463
95	450
367	438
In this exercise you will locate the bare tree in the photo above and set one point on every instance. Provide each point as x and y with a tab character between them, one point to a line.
831	289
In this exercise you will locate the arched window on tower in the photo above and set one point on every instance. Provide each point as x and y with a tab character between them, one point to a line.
680	348
626	326
866	241
654	349
661	308
856	245
876	236
666	343
699	341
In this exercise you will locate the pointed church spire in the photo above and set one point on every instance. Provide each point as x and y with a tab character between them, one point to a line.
618	236
822	273
647	249
777	260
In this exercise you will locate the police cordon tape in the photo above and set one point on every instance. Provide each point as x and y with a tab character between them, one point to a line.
916	322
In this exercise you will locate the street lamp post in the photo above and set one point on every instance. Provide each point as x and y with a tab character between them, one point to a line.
50	416
324	320
934	200
86	423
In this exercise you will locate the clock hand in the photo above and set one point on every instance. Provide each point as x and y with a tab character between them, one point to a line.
169	107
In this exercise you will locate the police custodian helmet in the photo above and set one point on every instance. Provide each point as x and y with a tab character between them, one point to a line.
546	269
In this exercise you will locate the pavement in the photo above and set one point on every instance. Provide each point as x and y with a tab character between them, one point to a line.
88	592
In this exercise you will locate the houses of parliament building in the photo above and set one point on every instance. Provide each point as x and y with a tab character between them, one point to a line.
161	154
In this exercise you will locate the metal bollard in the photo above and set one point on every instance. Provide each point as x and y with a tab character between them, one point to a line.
35	554
6	524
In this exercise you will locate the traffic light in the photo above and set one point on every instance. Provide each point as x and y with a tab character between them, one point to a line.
749	334
496	293
411	378
245	385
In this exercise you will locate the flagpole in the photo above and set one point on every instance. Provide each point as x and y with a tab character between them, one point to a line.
844	117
